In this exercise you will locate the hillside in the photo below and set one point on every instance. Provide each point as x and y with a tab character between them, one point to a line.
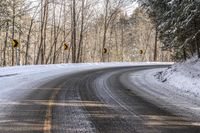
184	76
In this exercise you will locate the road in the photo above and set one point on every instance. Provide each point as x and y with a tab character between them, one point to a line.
94	101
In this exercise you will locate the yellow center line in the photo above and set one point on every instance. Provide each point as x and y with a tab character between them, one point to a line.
48	117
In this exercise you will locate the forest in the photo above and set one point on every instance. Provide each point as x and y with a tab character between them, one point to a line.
80	31
178	25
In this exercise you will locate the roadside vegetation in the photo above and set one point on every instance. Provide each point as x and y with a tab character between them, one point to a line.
65	31
76	31
178	27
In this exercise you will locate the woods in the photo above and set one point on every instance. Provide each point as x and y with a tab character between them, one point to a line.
44	27
178	25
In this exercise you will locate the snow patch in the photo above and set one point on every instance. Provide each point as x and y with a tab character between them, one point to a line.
184	76
168	90
176	87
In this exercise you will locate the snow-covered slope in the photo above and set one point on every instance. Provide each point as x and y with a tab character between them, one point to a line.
184	76
176	88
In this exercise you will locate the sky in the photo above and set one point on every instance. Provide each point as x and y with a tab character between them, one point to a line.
129	9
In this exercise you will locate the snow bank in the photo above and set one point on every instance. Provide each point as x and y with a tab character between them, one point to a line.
176	88
184	76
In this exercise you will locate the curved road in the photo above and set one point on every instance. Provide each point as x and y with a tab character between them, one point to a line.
94	101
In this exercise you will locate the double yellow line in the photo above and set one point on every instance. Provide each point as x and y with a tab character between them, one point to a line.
48	117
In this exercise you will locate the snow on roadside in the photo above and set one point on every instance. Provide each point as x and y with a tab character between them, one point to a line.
166	96
176	88
184	76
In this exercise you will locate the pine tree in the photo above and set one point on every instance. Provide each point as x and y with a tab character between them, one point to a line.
177	23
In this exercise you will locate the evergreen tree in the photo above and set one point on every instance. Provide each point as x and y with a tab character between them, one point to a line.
178	25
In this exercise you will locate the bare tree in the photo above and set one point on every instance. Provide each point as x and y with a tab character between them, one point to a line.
73	29
110	13
44	13
29	34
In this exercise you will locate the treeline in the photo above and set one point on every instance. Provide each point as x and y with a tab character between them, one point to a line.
73	31
178	24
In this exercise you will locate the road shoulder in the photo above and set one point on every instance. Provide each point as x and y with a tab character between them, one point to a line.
166	96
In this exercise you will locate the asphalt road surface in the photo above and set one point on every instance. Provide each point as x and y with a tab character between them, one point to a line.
94	101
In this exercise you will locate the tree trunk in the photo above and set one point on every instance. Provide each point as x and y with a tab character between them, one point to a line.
28	42
5	44
105	30
122	41
155	45
45	33
64	35
196	39
20	49
184	54
81	33
41	47
116	46
55	33
73	36
13	29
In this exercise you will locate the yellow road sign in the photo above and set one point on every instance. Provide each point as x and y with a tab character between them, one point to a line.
105	50
15	43
66	46
141	51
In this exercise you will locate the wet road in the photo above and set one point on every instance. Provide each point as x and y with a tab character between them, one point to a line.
94	101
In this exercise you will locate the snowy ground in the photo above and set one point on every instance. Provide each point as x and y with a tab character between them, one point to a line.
184	76
177	86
